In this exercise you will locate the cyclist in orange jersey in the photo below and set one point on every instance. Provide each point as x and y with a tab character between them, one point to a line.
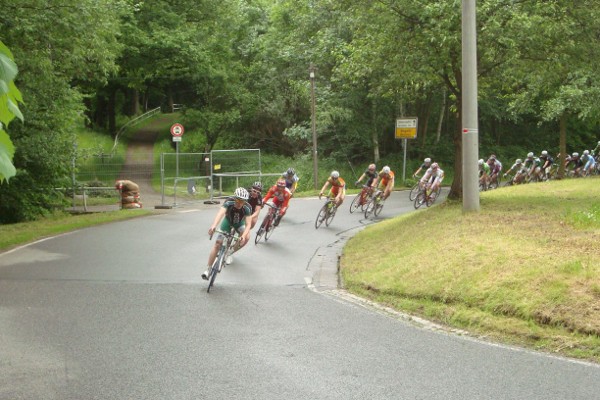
338	188
386	181
281	197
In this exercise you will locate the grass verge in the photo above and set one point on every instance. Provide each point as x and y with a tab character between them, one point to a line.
13	235
524	270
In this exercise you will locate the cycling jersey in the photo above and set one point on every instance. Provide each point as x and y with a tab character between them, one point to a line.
484	168
385	178
371	176
255	202
336	185
234	217
495	167
281	198
290	181
432	176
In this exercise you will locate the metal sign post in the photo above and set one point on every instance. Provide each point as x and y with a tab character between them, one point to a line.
177	132
406	128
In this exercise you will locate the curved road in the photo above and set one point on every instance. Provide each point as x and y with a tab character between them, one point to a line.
119	311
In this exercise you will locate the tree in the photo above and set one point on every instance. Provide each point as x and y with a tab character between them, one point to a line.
10	97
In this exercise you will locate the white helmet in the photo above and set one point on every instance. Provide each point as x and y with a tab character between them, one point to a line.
480	162
544	153
576	154
530	155
519	161
586	152
335	174
386	170
427	160
241	193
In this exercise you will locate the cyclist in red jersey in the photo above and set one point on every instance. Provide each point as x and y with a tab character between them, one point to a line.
281	197
338	188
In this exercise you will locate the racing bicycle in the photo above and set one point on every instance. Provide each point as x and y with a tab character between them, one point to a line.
426	196
375	204
268	225
361	199
326	213
229	240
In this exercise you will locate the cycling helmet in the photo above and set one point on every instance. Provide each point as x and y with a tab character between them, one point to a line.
335	174
427	160
493	157
372	167
281	182
257	186
434	165
291	172
519	161
576	154
530	155
386	170
241	193
586	152
544	153
480	162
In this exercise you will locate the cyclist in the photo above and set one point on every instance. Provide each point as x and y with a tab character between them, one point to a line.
532	165
386	181
588	162
255	201
576	162
596	152
235	213
518	170
291	180
495	169
371	175
424	167
547	162
281	196
433	178
484	173
338	188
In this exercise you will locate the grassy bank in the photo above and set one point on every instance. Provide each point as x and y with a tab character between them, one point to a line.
13	235
524	270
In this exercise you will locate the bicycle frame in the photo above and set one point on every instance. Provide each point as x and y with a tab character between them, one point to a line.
228	242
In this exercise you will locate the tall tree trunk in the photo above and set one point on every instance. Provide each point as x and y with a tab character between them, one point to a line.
112	119
135	102
562	145
374	136
441	119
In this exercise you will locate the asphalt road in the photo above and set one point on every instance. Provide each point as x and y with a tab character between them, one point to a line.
119	311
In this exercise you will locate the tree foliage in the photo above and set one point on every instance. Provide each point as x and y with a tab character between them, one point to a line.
241	70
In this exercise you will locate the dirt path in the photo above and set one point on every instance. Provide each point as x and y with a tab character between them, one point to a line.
139	164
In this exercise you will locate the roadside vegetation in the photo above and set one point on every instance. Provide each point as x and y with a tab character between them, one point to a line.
524	270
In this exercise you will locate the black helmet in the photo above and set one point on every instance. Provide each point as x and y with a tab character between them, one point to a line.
257	185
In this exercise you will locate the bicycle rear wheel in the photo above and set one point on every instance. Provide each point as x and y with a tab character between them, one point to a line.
321	216
260	232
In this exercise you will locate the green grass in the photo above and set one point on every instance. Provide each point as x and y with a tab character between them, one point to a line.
13	235
525	269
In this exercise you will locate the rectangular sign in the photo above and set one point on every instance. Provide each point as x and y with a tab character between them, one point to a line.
406	128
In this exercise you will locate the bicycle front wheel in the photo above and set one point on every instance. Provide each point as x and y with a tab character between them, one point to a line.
270	228
413	192
369	207
321	216
216	268
378	207
355	203
330	215
419	200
